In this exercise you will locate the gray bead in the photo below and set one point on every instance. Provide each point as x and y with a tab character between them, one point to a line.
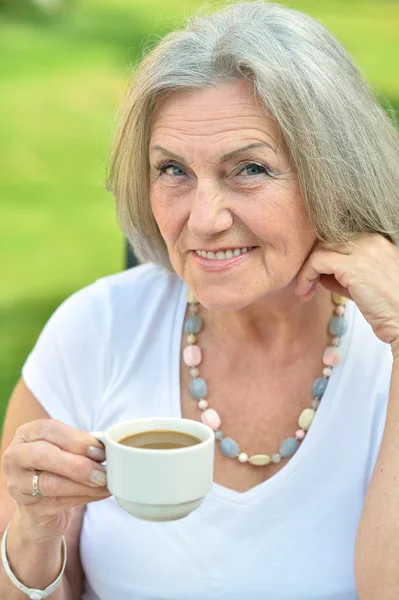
229	448
319	386
193	324
338	326
198	388
289	447
218	435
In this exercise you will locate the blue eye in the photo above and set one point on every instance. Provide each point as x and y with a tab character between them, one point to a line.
254	169
177	171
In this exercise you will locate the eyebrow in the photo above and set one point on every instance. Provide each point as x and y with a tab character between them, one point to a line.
224	157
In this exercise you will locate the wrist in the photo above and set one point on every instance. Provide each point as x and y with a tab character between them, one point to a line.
31	535
32	562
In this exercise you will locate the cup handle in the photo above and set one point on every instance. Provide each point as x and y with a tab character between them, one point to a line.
99	435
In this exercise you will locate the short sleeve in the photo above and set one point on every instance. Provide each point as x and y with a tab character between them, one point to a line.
66	370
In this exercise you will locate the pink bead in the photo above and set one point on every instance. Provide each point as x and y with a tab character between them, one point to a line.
300	434
203	404
211	418
192	355
332	356
340	310
327	371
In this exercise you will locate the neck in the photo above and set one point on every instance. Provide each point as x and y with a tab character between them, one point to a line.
279	322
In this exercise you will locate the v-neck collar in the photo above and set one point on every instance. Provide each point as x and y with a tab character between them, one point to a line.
317	431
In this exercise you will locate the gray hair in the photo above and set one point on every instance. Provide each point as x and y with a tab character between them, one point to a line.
343	146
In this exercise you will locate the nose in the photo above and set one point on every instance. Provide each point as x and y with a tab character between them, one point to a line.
210	214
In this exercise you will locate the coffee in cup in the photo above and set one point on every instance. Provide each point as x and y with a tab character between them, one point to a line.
159	468
160	440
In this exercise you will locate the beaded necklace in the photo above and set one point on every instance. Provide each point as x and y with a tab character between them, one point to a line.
192	357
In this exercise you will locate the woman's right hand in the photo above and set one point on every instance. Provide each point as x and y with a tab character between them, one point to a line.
70	474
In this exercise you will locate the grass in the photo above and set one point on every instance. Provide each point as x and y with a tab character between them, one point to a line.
63	75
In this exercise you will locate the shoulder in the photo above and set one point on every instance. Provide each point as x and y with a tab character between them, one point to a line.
110	309
135	290
140	288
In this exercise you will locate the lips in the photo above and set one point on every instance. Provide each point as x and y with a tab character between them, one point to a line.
217	265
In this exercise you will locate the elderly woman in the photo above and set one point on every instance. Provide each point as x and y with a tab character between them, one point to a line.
257	178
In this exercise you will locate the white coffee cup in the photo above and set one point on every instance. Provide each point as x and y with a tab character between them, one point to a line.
158	485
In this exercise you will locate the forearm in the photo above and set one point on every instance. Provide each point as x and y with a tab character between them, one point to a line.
377	541
36	564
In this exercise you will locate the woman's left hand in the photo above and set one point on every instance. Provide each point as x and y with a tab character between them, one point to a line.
365	270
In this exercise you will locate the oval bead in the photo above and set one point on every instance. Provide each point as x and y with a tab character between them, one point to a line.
194	372
211	418
338	326
229	447
338	299
259	460
191	338
332	356
306	418
340	310
289	447
203	404
218	435
193	324
193	309
319	387
198	388
190	297
243	457
276	458
192	355
327	371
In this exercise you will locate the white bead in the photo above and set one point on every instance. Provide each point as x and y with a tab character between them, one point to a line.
243	458
327	371
194	372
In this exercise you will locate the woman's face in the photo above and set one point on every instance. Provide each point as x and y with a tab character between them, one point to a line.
221	181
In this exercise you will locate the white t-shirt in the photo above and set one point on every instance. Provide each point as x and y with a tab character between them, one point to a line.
111	352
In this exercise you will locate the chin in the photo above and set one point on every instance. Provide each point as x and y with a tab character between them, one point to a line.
224	300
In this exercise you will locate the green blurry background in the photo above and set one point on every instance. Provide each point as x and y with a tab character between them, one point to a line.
63	71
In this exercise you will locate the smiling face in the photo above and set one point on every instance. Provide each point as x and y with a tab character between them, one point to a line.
221	181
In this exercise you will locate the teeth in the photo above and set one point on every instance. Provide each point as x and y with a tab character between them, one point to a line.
222	255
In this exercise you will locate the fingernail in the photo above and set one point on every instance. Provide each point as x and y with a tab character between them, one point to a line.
96	453
98	477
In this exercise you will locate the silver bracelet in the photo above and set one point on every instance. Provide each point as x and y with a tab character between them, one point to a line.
32	593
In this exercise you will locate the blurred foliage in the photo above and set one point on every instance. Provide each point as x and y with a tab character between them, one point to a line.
63	71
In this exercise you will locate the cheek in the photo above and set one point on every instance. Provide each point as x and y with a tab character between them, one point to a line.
168	216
